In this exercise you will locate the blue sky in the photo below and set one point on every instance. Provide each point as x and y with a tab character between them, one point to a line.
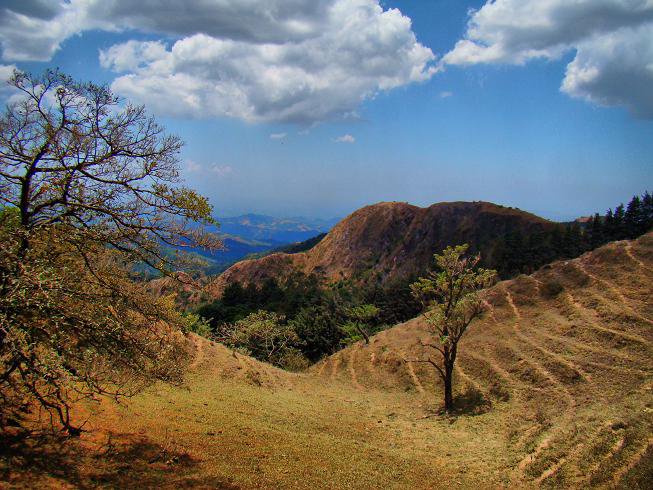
548	109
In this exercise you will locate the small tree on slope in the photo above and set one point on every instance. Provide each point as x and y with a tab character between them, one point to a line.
451	301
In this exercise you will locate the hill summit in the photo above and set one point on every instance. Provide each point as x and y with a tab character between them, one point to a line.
393	241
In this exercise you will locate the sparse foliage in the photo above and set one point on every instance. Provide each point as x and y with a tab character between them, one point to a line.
196	324
358	324
88	190
451	301
263	335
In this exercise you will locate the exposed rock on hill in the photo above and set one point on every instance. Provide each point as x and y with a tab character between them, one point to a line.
391	241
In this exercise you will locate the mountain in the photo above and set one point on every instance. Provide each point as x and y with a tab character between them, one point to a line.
291	248
394	241
258	235
274	231
235	249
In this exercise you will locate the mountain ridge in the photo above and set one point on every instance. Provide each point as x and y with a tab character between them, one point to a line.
390	241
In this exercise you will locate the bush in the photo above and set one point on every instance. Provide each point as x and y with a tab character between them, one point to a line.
263	334
196	324
551	289
293	360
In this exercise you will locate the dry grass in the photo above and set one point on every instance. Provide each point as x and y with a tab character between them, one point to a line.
554	388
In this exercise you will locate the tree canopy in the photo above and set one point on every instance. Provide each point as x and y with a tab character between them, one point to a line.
451	301
88	188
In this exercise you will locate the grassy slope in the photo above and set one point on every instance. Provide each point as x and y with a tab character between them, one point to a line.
554	389
569	374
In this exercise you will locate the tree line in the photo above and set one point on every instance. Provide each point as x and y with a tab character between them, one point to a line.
522	252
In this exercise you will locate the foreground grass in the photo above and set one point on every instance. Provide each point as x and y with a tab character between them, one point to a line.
330	437
223	434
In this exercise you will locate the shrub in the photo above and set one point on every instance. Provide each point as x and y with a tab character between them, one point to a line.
263	334
551	289
196	324
293	360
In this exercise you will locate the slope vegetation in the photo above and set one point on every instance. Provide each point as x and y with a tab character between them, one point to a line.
554	389
565	355
391	241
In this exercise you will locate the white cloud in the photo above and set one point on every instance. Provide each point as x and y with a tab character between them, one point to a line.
277	136
213	168
446	94
8	93
269	21
221	170
131	55
615	70
30	33
6	71
613	41
33	30
345	138
300	61
193	166
362	51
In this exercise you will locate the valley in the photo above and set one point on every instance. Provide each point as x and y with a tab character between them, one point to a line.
554	388
252	235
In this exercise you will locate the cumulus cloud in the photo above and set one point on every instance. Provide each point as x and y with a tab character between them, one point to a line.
6	71
8	92
345	138
301	61
131	55
613	41
616	69
363	50
33	30
275	21
193	166
446	94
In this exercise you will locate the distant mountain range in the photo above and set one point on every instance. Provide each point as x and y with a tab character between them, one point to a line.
274	231
255	234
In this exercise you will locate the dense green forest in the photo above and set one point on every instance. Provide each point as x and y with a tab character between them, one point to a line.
520	253
319	315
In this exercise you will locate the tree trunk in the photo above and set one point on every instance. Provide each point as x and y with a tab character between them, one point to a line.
363	333
448	391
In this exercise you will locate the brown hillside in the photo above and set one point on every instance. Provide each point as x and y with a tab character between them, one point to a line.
389	241
183	287
554	386
566	355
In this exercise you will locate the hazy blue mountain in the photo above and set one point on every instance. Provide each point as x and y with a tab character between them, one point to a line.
275	231
257	235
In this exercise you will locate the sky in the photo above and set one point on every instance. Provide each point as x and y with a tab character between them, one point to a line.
319	107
